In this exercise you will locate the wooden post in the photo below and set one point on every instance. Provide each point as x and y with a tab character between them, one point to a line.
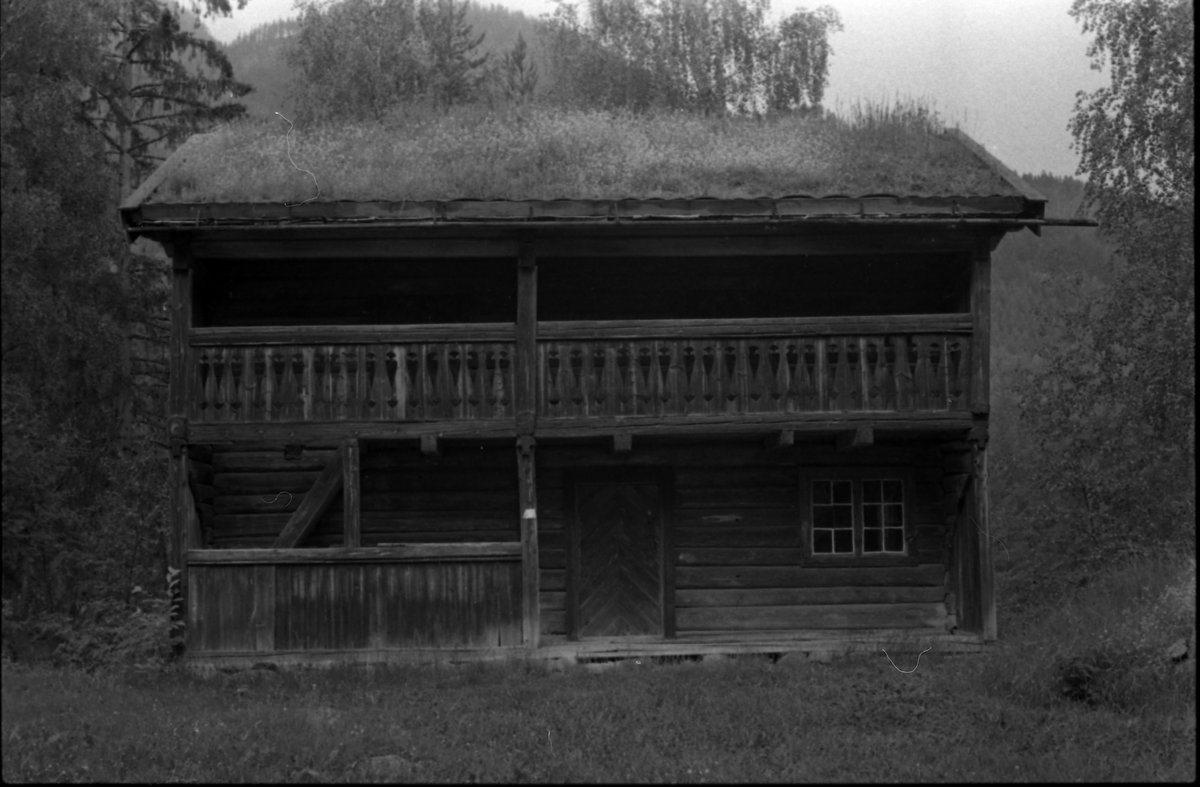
981	316
183	508
351	526
985	580
431	446
622	443
525	378
776	441
527	498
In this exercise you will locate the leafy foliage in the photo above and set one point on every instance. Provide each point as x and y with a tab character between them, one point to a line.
713	56
360	59
82	318
1113	408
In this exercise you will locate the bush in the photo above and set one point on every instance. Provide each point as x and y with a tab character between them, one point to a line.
105	634
1107	643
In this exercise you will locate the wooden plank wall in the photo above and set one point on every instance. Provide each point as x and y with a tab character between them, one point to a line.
467	494
332	606
738	559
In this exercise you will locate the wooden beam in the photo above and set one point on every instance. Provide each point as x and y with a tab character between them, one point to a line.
385	553
527	498
525	377
981	314
304	520
431	446
351	495
622	443
859	437
785	438
986	578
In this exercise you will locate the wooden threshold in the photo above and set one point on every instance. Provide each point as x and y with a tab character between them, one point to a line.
828	642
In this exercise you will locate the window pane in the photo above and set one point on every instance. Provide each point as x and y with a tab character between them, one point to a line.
871	492
843	516
893	491
843	540
820	492
893	515
894	539
822	516
871	517
872	540
822	541
841	492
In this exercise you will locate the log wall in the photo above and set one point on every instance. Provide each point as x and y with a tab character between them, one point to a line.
468	494
738	558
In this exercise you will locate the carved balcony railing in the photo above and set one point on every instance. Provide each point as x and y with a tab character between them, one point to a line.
753	366
584	370
257	375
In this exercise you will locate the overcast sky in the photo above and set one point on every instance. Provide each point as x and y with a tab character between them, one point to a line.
1005	71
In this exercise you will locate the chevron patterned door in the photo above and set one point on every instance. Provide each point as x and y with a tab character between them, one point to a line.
619	583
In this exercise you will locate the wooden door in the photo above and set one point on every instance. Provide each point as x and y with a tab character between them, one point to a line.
618	549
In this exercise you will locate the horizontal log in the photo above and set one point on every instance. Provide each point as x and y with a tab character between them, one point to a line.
552	558
736	497
577	330
200	472
831	616
793	556
441	553
798	577
319	431
735	520
738	536
777	597
355	334
569	239
553	622
386	520
552	601
553	579
755	425
270	461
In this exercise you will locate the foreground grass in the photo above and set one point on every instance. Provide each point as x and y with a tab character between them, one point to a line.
998	717
741	721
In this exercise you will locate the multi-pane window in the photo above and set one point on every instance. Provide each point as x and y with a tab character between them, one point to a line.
883	515
833	517
855	512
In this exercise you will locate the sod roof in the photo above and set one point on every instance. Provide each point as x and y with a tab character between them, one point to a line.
557	155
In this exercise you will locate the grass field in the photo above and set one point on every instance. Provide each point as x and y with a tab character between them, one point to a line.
999	717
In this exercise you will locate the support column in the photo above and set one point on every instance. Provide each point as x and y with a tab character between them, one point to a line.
981	328
530	576
185	525
525	372
986	577
351	527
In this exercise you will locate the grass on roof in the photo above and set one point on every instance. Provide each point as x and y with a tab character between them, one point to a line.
551	154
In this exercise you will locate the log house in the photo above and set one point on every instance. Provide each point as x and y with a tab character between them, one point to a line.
587	426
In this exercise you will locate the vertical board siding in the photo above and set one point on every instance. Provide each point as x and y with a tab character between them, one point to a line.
355	606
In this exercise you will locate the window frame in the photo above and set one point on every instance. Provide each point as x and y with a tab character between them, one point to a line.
857	475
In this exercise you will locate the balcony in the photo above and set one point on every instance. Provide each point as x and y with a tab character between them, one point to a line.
584	370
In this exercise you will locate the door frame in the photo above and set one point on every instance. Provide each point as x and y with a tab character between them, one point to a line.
664	479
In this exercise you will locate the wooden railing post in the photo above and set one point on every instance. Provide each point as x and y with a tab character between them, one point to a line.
527	497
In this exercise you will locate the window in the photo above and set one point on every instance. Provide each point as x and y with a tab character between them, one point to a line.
856	513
